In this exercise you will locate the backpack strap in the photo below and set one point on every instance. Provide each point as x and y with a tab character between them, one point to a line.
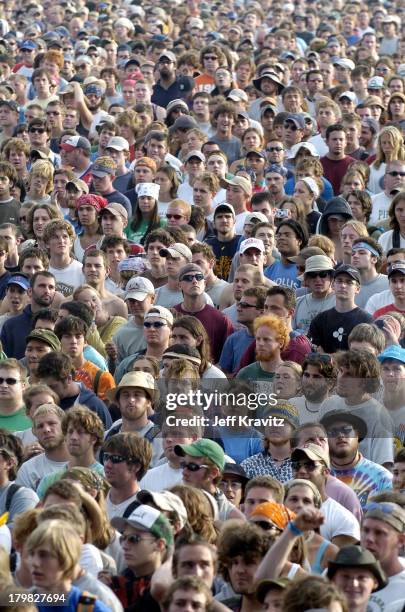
152	433
396	239
87	602
96	381
12	490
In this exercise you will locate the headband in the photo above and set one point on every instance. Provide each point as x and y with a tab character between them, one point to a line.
368	247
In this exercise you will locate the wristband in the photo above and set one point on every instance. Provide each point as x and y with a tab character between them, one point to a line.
294	529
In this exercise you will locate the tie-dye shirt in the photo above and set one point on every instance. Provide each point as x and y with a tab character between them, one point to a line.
366	478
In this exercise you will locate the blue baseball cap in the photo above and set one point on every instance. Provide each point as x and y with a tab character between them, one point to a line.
392	352
28	44
19	279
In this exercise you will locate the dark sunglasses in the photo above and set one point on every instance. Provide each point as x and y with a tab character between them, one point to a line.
155	324
310	466
324	357
210	57
114	458
323	274
344	430
192	467
9	381
275	149
266	526
290	126
35	130
395	173
244	305
190	277
134	538
176	217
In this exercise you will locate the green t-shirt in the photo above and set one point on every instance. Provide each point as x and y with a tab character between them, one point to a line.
254	372
17	421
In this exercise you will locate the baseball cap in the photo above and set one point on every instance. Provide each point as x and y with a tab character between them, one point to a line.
149	519
28	44
376	82
75	142
267	107
224	207
251	243
234	469
183	351
93	88
194	153
392	352
78	184
116	209
191	267
185	122
277	168
237	95
388	512
343	62
302	145
168	55
176	249
256	216
20	280
238	181
318	263
256	152
350	271
160	312
398	266
203	448
103	166
264	586
165	501
297	119
313	452
118	143
138	287
348	94
347	417
46	336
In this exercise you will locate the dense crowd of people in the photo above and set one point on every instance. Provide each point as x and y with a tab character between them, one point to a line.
202	306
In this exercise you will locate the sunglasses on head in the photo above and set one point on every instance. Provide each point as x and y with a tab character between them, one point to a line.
114	458
9	381
190	277
324	357
322	274
385	507
155	324
192	467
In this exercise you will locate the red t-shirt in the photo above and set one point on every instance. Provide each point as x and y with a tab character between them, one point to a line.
334	170
296	350
386	309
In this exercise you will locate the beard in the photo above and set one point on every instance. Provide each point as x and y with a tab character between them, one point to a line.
52	444
265	355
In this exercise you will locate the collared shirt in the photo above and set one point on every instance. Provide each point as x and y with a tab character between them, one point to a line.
263	464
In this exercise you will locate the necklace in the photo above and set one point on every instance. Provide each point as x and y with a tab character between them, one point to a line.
313	410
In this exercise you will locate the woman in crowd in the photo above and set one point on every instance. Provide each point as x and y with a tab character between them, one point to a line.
146	214
167	179
395	237
390	146
88	206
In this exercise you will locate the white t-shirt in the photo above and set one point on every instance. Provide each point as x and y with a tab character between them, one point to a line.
380	205
385	240
308	412
391	598
27	436
161	477
5	538
338	521
319	144
117	509
375	182
379	301
32	471
91	560
240	222
69	278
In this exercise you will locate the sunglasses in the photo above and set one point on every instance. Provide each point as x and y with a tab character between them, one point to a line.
290	126
155	324
114	458
323	274
81	67
309	466
266	526
395	173
176	217
244	305
345	430
192	467
190	277
36	130
275	149
134	538
9	381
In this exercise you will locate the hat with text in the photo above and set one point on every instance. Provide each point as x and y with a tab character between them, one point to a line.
251	243
20	280
176	250
138	287
148	519
203	448
312	452
398	266
376	82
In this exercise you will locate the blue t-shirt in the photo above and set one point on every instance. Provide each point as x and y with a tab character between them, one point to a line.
283	275
242	446
234	347
71	604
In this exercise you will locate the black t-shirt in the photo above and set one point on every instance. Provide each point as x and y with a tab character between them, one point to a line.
330	329
224	252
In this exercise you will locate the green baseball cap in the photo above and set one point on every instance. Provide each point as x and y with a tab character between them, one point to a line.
203	448
149	519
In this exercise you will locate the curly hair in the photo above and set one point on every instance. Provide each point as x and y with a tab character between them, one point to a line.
86	419
199	512
242	539
362	365
312	592
277	325
58	225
